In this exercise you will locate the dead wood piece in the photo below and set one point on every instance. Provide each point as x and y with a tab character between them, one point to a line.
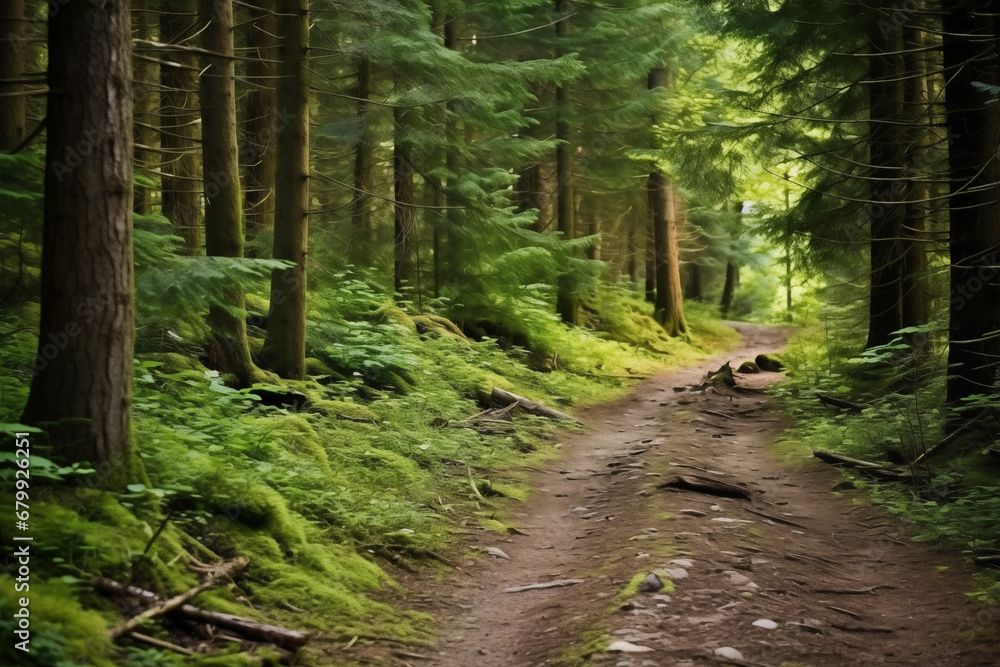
839	403
862	628
224	571
272	634
717	414
845	612
705	485
408	654
536	587
947	440
724	376
988	561
864	466
776	519
159	643
852	591
505	398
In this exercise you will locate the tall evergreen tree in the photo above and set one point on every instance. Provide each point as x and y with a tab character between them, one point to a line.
82	390
285	345
13	52
223	199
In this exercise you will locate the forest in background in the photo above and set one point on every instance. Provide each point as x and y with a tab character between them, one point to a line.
260	262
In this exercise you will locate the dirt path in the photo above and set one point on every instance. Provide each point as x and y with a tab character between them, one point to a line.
839	579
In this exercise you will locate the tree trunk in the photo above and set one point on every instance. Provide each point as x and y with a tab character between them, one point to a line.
179	127
81	391
886	135
146	105
916	285
650	249
669	298
632	260
223	200
406	240
694	290
261	121
729	289
361	218
285	345
566	305
973	121
13	48
593	229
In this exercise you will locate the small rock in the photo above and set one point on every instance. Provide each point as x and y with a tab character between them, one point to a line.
627	647
748	368
692	512
579	510
765	623
676	573
651	584
715	508
683	562
737	579
496	553
729	653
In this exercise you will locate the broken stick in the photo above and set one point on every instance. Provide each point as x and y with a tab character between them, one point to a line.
504	398
550	584
224	571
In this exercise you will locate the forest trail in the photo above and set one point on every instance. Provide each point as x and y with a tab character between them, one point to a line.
840	580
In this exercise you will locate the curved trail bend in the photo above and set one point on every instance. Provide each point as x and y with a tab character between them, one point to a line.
839	579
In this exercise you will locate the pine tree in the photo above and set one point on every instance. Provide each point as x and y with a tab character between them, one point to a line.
82	390
13	50
261	118
285	345
223	199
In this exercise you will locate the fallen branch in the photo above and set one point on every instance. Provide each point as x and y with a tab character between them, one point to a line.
504	398
852	591
839	404
864	466
776	519
273	634
862	628
717	414
705	485
159	643
536	587
945	441
224	571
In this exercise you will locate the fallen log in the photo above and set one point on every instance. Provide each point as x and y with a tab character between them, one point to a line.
272	634
864	466
504	398
224	571
705	485
839	403
159	643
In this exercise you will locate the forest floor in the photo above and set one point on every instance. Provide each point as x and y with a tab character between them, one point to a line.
836	575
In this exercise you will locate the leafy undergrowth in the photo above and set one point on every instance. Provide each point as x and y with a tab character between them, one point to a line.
373	468
952	497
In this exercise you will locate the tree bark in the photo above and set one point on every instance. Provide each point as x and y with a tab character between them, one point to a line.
406	249
669	298
693	289
566	305
886	136
650	248
13	49
81	391
361	217
973	120
285	345
729	289
180	128
146	104
223	200
261	122
916	284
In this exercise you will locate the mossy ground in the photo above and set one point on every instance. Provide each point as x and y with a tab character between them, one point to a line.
319	498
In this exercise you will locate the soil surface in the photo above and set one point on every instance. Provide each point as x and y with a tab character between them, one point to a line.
837	579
